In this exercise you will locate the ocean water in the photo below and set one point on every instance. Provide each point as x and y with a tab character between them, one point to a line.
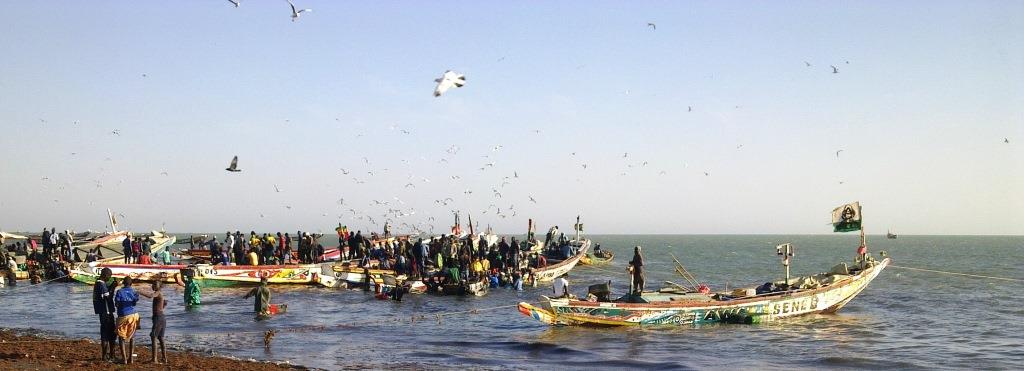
904	320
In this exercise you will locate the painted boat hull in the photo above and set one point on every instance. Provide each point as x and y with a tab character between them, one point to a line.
549	273
209	275
757	309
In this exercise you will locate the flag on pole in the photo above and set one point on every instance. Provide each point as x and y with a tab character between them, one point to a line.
846	218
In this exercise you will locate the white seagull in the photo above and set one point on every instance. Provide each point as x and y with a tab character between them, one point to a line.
296	12
447	81
236	2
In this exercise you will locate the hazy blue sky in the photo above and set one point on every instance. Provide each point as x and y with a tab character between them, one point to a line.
926	93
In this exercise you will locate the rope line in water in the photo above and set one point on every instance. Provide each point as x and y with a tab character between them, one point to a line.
16	288
958	274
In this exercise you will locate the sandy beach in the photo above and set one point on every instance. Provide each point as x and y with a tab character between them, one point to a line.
22	350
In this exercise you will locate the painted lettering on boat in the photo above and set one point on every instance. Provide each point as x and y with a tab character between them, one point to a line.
795	306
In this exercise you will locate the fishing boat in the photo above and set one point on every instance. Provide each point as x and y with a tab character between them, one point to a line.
210	275
556	270
677	306
671	306
549	273
596	258
158	241
890	235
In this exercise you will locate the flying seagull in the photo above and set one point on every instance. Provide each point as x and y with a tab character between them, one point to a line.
807	63
652	25
834	69
234	165
296	12
1006	140
447	81
837	153
278	190
236	2
115	132
532	199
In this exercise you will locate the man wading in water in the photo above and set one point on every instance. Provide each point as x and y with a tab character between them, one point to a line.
262	294
103	305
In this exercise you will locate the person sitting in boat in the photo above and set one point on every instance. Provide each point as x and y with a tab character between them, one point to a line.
560	287
636	267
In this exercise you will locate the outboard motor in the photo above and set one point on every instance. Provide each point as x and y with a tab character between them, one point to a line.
602	291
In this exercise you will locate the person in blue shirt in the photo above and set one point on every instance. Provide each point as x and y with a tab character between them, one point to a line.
127	318
103	305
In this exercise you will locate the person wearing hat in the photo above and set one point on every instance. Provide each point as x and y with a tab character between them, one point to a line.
636	266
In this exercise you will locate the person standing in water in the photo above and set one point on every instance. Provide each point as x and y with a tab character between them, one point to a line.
262	294
636	266
159	322
103	305
127	319
192	294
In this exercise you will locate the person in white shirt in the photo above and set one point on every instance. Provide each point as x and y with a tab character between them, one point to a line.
561	286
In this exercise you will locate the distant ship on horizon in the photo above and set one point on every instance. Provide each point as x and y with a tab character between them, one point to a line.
890	235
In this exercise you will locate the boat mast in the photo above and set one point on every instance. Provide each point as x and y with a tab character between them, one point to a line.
786	251
578	227
113	223
470	224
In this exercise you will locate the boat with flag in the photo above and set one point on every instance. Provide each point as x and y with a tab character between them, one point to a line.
579	244
694	304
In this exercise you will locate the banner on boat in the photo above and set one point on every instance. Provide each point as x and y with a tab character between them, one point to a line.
846	218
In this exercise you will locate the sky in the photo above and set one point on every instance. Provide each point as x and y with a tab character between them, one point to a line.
711	121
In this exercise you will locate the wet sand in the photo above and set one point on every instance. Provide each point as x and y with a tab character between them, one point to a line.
23	350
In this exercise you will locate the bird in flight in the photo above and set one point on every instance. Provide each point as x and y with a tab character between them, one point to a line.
448	80
1006	140
296	12
343	171
163	173
837	153
624	155
707	173
234	165
834	69
652	26
689	108
236	2
515	174
115	132
276	189
807	63
532	199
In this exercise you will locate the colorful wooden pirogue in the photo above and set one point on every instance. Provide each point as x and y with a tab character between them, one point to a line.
821	293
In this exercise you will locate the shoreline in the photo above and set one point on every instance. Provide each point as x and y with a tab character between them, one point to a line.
37	349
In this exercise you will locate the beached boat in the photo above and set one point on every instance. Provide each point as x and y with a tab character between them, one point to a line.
667	307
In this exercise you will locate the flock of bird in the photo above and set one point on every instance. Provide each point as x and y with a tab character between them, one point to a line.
393	210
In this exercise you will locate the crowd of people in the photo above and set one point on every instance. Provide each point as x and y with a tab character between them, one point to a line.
265	249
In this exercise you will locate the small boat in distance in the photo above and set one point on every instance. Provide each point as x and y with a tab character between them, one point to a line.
890	235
